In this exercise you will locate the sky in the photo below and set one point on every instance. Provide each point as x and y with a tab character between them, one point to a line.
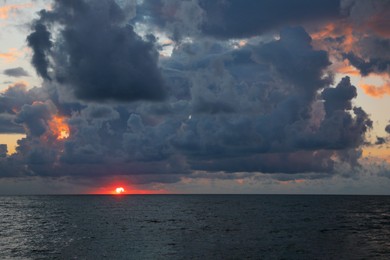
195	96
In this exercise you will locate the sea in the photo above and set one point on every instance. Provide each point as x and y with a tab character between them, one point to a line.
195	227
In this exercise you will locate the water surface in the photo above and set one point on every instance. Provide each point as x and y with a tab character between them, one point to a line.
195	227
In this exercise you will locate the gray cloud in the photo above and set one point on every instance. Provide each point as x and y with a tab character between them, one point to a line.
12	100
17	95
220	18
16	72
339	129
257	17
373	65
266	105
8	125
339	98
3	150
40	43
380	140
34	117
96	53
253	109
178	18
285	123
387	129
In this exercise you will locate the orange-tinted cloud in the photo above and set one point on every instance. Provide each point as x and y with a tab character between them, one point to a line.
325	32
376	91
59	128
11	55
336	30
345	68
380	89
18	84
6	10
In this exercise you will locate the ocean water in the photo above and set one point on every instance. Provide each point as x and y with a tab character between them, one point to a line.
195	227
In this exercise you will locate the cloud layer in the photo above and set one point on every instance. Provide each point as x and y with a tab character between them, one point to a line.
246	86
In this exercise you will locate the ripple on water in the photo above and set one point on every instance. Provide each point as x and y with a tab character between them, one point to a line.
177	227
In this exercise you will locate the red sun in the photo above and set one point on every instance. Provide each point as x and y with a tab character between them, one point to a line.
119	190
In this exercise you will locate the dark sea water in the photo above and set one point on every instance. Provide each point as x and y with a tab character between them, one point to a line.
195	227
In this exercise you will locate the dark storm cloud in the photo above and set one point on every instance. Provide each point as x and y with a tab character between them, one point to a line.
234	18
290	163
340	97
35	116
274	122
96	54
40	43
256	17
178	18
203	106
16	72
376	48
373	65
295	60
263	105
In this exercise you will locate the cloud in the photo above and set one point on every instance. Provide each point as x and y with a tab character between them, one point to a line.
339	98
285	124
8	125
35	116
7	9
370	15
378	23
111	106
16	72
380	140
376	91
373	65
220	18
11	55
253	109
357	41
179	19
40	43
13	100
257	17
96	54
387	129
17	95
3	150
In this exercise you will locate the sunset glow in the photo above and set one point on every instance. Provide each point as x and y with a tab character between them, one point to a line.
119	190
59	127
